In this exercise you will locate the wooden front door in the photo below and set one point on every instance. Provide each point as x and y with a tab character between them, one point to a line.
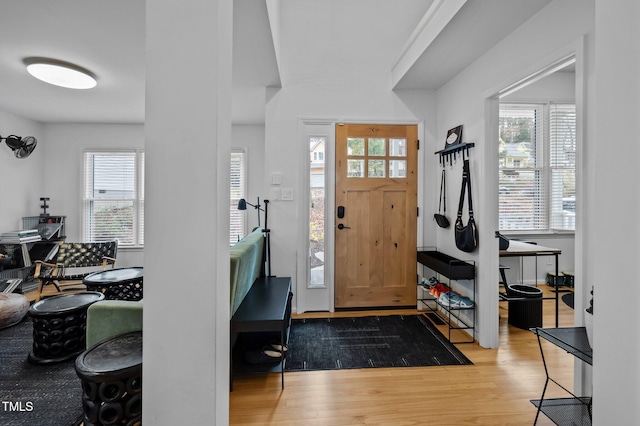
376	215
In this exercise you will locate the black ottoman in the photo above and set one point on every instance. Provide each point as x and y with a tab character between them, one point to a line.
111	376
525	306
117	284
59	326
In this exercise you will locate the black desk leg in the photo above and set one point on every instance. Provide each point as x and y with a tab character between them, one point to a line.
284	354
546	382
557	290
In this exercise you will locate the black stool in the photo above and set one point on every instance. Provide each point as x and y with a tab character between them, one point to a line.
111	376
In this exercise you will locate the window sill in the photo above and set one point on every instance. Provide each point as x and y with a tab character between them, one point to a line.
131	248
537	234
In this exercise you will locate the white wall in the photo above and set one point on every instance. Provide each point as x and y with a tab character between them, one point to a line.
613	259
21	183
286	154
331	86
547	36
62	172
250	138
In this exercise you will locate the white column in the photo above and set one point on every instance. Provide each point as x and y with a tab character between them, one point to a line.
614	222
187	146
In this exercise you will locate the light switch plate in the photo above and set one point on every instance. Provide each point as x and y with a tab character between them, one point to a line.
286	194
276	178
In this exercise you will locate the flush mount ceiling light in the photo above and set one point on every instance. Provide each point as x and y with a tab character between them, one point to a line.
60	73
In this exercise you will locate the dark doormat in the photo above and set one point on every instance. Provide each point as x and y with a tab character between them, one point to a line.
368	342
48	394
567	298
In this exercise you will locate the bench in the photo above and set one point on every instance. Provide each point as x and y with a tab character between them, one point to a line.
266	308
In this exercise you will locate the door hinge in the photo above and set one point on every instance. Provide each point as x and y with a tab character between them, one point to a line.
418	142
418	211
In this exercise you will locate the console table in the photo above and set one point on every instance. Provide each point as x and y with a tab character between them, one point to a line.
576	409
266	308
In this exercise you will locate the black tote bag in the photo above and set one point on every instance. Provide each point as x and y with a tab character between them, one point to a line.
466	235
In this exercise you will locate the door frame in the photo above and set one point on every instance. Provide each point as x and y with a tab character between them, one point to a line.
322	298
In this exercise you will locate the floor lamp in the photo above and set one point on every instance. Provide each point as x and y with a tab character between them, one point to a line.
242	205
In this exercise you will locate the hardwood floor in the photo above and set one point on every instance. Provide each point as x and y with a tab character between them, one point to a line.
496	390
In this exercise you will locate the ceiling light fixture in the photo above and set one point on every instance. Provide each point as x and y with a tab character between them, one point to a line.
60	73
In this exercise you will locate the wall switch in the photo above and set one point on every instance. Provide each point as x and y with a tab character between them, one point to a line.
286	194
275	194
276	178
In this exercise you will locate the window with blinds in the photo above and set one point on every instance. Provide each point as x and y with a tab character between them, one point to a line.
562	138
113	204
536	167
237	223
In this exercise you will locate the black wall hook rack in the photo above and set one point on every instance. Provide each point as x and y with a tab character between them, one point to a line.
451	153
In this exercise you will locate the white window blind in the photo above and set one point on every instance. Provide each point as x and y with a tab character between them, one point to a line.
237	224
112	204
521	174
537	167
562	138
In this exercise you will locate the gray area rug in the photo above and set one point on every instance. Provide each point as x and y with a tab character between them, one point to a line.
35	395
368	342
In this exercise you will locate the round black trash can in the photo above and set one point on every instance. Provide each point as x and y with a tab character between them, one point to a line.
525	306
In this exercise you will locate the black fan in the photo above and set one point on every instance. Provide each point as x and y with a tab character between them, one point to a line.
21	147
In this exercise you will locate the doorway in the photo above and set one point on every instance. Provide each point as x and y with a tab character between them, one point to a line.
375	215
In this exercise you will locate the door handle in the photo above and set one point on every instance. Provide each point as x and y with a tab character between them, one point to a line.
341	226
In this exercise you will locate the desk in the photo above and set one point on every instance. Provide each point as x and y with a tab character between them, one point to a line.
522	249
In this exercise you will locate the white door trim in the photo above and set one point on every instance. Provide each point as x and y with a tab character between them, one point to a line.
322	299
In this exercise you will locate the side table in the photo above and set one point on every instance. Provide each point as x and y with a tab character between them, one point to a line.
576	409
111	376
59	326
117	284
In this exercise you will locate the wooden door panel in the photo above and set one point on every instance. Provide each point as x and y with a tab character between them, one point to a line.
394	239
376	249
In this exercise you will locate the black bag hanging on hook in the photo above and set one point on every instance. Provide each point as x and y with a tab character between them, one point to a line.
441	216
466	235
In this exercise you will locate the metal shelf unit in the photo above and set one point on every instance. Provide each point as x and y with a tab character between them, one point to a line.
456	318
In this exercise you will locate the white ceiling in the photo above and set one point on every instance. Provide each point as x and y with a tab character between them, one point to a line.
107	37
476	28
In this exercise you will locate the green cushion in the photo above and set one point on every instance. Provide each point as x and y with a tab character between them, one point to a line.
109	318
246	264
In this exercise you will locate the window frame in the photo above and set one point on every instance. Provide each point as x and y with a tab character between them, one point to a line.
543	152
234	213
137	200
